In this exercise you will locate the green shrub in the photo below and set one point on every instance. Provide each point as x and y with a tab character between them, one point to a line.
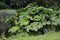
34	18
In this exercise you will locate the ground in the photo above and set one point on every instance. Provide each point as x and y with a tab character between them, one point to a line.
47	36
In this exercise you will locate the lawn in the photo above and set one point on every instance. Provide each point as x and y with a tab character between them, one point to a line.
47	36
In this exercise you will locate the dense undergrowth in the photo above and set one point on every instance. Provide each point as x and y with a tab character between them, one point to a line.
35	20
32	20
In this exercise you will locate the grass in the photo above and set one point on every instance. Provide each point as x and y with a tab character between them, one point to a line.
47	36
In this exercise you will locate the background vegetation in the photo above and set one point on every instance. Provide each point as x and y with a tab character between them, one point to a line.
14	4
28	20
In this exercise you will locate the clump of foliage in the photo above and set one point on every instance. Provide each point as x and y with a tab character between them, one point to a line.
34	18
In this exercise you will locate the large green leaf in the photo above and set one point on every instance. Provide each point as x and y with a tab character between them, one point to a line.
14	29
34	26
37	18
23	20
